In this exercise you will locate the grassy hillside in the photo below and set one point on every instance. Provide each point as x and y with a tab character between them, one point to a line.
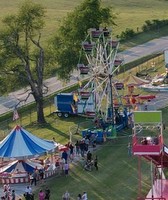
130	13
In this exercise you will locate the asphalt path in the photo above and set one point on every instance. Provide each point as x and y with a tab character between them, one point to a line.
19	190
7	103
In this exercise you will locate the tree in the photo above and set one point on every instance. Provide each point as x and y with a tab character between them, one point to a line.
66	44
21	53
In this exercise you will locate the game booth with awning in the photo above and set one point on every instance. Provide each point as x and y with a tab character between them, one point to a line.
20	153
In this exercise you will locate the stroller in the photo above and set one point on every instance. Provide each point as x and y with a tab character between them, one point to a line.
29	196
88	166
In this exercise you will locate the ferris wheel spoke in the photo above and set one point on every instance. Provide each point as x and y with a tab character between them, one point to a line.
102	96
88	83
100	85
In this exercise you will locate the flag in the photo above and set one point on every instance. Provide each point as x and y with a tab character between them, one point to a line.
15	115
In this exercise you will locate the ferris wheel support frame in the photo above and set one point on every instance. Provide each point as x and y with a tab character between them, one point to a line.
100	51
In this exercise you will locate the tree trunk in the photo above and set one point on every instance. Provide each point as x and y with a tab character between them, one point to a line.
40	111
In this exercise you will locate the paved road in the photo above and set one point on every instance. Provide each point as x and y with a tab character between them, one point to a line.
7	103
152	47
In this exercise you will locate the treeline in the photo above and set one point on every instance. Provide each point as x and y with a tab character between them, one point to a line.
150	25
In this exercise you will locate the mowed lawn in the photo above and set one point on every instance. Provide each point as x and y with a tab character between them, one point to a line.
130	14
117	178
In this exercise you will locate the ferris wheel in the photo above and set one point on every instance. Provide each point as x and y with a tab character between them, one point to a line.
102	62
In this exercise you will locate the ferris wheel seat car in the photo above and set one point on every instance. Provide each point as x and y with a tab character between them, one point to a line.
96	33
106	32
119	86
117	62
90	113
88	46
85	94
83	69
113	43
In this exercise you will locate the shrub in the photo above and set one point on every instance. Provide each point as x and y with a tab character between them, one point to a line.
127	34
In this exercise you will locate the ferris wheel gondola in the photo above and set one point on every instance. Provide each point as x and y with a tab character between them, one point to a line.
102	62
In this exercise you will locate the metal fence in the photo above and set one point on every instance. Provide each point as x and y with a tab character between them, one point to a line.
26	117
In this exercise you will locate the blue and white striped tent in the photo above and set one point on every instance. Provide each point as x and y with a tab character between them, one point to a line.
21	165
21	144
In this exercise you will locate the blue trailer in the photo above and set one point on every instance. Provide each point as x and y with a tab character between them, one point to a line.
66	104
70	104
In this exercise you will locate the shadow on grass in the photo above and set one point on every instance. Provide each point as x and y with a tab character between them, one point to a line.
55	130
50	128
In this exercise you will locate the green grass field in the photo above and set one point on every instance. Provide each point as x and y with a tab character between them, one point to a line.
117	178
130	14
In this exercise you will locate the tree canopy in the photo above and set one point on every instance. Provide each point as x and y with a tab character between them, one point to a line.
21	53
24	61
66	44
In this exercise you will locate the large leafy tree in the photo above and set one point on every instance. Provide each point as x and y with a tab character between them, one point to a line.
66	44
21	53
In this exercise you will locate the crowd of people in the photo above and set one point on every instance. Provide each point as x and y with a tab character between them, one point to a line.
42	195
66	196
78	150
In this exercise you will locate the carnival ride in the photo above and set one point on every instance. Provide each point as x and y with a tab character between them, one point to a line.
101	63
148	143
132	99
158	84
98	64
100	96
20	153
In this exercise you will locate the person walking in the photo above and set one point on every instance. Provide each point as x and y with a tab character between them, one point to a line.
71	147
96	163
47	193
41	175
13	196
28	193
77	146
34	178
66	169
84	196
41	195
89	156
129	149
64	155
66	196
79	197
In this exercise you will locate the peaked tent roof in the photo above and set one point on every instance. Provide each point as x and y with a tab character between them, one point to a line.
134	80
21	144
21	165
